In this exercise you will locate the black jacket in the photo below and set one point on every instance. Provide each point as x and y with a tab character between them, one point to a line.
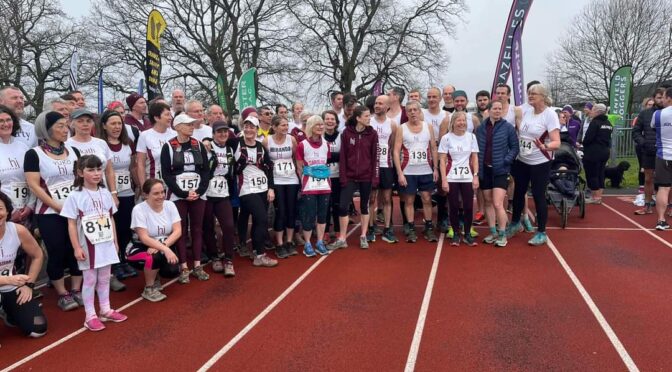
642	133
597	142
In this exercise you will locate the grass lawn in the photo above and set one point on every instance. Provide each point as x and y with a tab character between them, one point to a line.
630	178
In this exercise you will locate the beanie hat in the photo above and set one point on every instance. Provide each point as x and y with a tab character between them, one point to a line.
51	118
132	99
246	112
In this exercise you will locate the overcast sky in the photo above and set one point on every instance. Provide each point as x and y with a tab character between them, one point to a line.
475	49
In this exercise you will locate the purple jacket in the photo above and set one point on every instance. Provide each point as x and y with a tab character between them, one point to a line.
573	128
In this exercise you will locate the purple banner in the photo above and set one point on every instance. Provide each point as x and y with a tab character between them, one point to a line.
517	68
517	16
377	89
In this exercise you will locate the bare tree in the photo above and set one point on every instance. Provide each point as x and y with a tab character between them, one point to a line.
36	41
609	34
349	44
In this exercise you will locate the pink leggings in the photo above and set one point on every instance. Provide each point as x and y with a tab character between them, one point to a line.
96	281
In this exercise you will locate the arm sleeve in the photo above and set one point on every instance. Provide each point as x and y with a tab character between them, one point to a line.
205	171
137	217
141	145
31	162
69	209
168	176
172	210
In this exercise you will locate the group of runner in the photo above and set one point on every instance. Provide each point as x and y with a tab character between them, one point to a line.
162	186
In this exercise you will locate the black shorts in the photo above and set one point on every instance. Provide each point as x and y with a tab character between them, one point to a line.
417	183
663	172
386	179
487	181
648	160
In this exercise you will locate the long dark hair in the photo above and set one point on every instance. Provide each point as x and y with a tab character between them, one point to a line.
86	161
16	123
102	133
359	110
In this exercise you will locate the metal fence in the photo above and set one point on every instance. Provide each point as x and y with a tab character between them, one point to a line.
622	145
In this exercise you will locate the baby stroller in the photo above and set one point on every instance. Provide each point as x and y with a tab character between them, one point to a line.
566	187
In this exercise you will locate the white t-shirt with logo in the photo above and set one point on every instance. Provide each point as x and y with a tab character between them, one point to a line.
459	150
27	134
93	211
12	177
158	224
533	126
150	143
205	131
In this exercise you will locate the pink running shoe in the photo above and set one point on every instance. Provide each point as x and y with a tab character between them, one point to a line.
94	324
113	316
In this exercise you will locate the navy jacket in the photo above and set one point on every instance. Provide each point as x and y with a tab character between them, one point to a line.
505	146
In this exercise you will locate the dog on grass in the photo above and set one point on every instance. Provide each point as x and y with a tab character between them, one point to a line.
615	174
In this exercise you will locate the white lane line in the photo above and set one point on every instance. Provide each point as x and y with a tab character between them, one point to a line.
420	325
69	337
481	227
668	244
622	352
211	362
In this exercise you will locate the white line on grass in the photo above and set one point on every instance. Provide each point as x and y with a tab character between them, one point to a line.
420	325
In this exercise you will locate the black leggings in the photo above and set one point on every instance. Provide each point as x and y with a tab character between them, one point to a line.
122	222
219	208
346	197
441	208
54	232
256	206
538	175
464	191
594	173
285	206
28	317
334	202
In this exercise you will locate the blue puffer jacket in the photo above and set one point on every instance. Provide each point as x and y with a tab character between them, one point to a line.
505	146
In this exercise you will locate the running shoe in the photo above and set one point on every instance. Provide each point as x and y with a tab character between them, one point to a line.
157	284
321	248
94	324
281	251
411	237
429	234
593	201
370	235
501	241
513	229
77	296
129	270
455	240
217	265
528	225
228	269
291	249
473	233
264	261
363	243
152	295
479	218
388	236
200	274
298	239
184	276
308	250
451	232
538	239
444	226
116	285
407	228
662	225
378	230
118	272
244	251
338	244
490	239
113	316
470	241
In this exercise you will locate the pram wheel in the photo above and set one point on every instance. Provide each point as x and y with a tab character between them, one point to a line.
582	204
564	212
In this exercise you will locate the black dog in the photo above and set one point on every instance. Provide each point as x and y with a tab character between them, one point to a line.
615	174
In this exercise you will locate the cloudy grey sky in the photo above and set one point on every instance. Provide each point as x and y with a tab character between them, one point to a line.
475	49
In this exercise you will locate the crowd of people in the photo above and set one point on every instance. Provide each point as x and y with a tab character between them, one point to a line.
162	188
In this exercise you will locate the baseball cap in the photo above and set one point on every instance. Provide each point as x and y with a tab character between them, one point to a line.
81	112
251	119
183	119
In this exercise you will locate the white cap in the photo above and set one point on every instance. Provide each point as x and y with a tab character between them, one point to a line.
183	119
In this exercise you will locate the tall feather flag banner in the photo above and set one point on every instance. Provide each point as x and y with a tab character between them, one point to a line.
378	88
141	87
74	61
517	16
101	105
620	93
517	77
155	27
247	93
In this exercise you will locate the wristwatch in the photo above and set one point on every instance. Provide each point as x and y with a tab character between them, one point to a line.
30	285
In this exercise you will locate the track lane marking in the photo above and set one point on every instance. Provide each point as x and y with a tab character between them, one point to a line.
640	227
422	317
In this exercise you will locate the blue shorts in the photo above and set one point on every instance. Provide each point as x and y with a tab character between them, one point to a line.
423	182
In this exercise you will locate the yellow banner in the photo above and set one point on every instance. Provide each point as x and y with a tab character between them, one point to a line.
155	27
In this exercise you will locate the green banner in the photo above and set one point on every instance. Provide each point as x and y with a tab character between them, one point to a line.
247	94
620	93
221	97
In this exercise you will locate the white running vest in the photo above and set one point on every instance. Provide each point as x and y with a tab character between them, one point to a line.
416	154
284	169
435	121
384	131
56	177
10	246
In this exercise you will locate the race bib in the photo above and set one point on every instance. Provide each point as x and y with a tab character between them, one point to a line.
284	168
317	184
19	194
258	183
60	191
97	228
218	187
526	147
383	154
460	173
188	181
417	157
123	180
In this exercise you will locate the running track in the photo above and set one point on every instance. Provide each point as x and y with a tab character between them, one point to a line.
597	298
